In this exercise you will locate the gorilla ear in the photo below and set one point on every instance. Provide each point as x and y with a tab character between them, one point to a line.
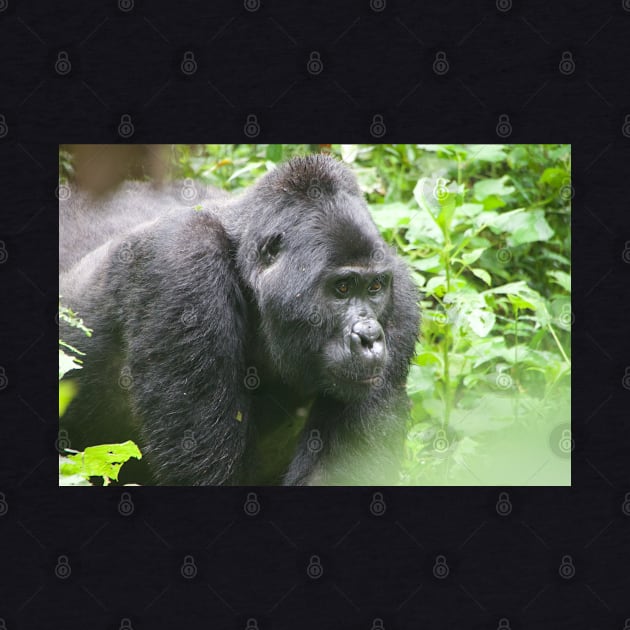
270	248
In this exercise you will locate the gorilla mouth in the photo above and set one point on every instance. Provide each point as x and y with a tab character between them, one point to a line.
359	380
366	381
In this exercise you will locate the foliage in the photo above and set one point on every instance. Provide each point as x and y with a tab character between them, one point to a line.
488	239
104	460
67	361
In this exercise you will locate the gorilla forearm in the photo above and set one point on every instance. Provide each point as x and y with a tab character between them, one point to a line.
358	444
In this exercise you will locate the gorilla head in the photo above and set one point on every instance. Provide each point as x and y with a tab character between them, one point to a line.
322	278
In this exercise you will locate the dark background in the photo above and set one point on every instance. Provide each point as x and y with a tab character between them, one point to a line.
125	567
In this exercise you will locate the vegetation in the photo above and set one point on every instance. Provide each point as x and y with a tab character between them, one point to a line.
103	461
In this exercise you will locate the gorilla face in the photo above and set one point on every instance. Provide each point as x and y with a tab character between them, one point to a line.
356	353
324	291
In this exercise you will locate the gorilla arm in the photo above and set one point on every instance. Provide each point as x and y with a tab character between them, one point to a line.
158	299
351	444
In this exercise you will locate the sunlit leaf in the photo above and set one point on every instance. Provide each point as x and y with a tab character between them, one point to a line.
482	274
486	187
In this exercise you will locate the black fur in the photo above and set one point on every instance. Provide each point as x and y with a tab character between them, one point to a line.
216	327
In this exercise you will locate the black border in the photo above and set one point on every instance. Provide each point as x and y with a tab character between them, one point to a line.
374	63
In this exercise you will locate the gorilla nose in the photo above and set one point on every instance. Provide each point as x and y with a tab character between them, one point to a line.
368	331
367	338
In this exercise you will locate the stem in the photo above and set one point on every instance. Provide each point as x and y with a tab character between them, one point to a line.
562	352
447	336
447	379
515	310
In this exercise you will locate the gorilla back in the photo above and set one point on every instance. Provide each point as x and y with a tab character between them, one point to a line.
256	339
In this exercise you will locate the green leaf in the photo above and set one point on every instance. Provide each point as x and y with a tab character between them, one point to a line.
492	202
67	391
252	166
562	278
421	379
523	296
67	363
70	317
68	475
481	321
470	209
520	303
522	226
436	285
528	227
104	460
554	177
447	211
486	187
390	215
422	229
349	152
433	147
432	263
274	152
470	257
489	153
482	274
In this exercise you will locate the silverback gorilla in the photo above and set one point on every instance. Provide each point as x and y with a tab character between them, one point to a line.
258	339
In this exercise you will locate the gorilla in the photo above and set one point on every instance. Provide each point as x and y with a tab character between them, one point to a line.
256	339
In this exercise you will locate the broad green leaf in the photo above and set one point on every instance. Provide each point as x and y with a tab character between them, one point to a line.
369	179
482	274
486	187
422	229
522	226
489	153
432	263
391	215
470	257
104	460
67	363
562	278
447	211
521	303
68	475
470	209
554	177
481	322
429	358
252	166
67	391
491	202
349	153
528	227
523	296
437	285
421	379
274	152
433	148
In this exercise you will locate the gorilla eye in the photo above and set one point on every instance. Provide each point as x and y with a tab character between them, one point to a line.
375	286
270	248
342	287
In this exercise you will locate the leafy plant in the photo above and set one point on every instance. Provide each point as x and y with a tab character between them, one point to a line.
104	461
